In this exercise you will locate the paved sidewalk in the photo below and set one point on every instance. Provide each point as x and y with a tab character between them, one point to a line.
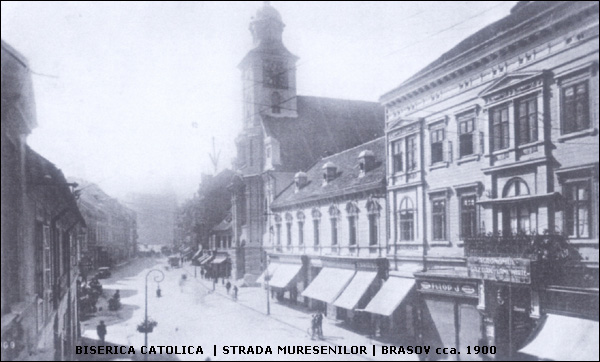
296	316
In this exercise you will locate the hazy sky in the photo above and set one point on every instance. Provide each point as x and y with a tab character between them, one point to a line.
118	85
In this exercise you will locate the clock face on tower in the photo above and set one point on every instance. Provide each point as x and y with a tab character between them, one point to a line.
275	74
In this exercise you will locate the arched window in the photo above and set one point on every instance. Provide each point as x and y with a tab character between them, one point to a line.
515	187
316	215
288	223
352	211
407	220
334	214
516	216
300	216
373	209
275	102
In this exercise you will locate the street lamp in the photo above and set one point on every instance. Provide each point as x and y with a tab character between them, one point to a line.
157	278
267	278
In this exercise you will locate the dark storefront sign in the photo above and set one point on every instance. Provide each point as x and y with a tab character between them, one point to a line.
451	288
511	270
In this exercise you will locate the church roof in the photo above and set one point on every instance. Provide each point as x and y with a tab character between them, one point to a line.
323	126
347	181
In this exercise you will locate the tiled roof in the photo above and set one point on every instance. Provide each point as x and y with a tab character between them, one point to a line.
323	126
348	178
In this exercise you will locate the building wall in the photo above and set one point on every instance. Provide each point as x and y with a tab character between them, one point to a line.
570	55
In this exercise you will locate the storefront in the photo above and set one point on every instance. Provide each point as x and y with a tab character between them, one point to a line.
451	312
285	275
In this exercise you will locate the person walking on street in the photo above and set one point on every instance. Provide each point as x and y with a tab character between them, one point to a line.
228	286
235	292
319	318
101	330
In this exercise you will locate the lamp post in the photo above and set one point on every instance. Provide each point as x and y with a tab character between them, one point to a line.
267	278
158	278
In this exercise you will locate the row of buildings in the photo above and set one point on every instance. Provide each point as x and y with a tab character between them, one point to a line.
54	232
460	210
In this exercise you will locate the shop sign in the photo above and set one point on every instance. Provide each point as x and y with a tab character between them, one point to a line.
464	289
511	270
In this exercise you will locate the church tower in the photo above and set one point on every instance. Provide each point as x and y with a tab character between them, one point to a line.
268	90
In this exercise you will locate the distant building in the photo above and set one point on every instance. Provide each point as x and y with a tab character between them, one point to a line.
111	235
283	133
156	215
41	227
500	136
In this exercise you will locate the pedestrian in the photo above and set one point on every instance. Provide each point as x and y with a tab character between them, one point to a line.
319	318
235	292
101	330
228	286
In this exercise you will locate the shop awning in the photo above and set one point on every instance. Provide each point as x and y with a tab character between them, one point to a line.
197	255
390	296
284	274
329	284
355	290
270	270
563	338
206	260
219	259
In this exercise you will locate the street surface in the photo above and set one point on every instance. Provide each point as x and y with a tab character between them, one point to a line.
189	313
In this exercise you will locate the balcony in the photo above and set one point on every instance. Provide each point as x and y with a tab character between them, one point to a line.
537	247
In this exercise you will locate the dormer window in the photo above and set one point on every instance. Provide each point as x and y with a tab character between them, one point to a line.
366	161
329	172
300	180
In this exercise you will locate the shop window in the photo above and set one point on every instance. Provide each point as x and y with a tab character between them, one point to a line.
527	120
438	212
407	220
437	145
575	107
500	132
578	207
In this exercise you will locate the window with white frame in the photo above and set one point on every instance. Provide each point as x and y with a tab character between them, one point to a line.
438	218
575	107
578	208
288	223
316	214
300	216
397	156
500	128
334	214
526	120
437	145
352	213
374	209
406	220
466	134
468	216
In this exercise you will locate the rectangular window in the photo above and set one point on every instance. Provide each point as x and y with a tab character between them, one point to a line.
352	229
397	157
407	225
300	232
39	259
411	161
500	133
575	108
578	209
466	128
334	231
468	215
316	231
373	230
438	213
437	145
527	121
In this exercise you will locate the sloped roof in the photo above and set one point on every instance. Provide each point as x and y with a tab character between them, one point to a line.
497	32
348	178
323	126
45	177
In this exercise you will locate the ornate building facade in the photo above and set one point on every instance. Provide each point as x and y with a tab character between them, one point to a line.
499	136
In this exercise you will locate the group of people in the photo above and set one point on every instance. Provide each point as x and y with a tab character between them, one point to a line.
235	289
